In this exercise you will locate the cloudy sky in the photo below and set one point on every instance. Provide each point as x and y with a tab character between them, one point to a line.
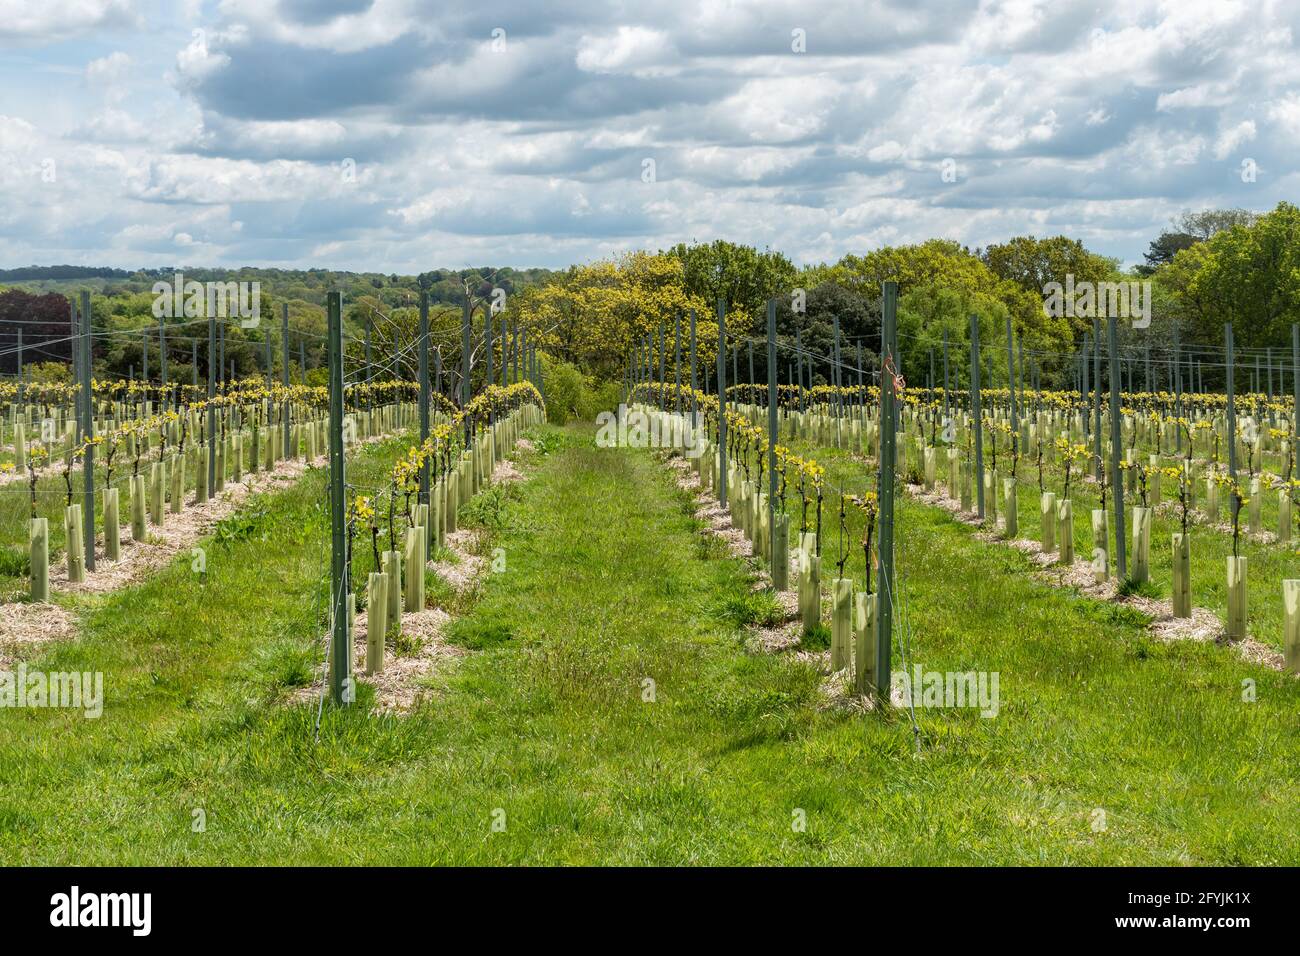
404	135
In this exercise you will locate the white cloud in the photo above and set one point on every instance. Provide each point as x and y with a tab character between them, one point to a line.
886	152
17	135
108	69
358	26
627	49
1285	112
50	20
1198	96
782	109
204	180
1095	118
196	63
113	126
1230	139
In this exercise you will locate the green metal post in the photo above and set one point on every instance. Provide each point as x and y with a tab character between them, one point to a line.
162	360
1096	393
1116	439
885	486
1011	379
212	411
947	414
422	351
977	413
1231	408
677	361
722	402
1178	390
284	372
663	374
695	410
771	425
465	322
1295	400
88	430
340	679
487	354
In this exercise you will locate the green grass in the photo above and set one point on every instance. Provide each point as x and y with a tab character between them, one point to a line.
608	713
52	499
1269	563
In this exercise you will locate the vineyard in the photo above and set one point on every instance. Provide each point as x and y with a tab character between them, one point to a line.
1087	478
840	618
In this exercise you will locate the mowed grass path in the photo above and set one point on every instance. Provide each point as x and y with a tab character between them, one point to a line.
609	714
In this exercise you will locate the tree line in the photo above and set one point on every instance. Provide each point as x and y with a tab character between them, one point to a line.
1207	268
